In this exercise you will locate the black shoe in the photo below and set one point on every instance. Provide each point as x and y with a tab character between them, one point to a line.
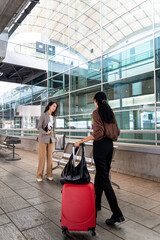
113	220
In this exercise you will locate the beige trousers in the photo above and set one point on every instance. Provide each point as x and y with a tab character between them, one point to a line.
44	151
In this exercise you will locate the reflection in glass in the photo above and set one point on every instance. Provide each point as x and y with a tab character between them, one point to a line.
88	48
136	58
62	122
84	24
58	84
136	91
86	75
82	101
136	119
39	91
63	104
128	27
157	51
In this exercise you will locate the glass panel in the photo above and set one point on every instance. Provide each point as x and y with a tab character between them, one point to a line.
26	95
82	101
139	138
158	87
136	58
59	40
59	84
136	119
112	9
81	122
63	104
16	95
134	92
158	119
39	91
76	7
59	63
62	123
86	75
157	51
88	48
126	28
156	5
7	123
84	24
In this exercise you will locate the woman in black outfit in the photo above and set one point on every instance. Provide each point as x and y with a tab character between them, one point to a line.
102	153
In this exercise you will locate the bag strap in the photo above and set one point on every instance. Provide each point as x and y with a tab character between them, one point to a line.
74	151
83	158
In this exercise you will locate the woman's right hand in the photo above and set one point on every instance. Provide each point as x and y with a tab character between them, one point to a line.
48	132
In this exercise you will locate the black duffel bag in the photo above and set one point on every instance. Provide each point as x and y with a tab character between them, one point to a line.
75	174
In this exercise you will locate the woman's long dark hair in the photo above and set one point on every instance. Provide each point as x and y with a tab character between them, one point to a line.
50	104
104	109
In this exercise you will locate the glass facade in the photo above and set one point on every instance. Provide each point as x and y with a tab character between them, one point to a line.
108	45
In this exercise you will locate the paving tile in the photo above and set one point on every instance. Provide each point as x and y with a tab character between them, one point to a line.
155	196
13	203
2	185
3	173
157	229
4	219
120	202
146	183
27	218
29	178
135	199
1	211
49	188
145	192
10	232
141	216
6	192
17	184
101	234
21	173
39	200
52	210
134	231
48	231
9	178
156	210
30	192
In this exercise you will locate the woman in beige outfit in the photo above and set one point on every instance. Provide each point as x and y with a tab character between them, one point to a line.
46	127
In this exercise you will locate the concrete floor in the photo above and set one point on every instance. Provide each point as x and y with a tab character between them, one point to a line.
31	210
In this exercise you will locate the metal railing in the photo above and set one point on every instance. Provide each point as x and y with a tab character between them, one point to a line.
149	137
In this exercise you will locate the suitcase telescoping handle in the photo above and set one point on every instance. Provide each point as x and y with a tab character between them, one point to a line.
73	154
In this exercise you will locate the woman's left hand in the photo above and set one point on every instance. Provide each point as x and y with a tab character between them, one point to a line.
77	143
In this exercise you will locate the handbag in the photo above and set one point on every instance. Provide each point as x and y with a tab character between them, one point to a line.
76	174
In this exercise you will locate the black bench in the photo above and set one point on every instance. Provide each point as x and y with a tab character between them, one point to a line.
10	142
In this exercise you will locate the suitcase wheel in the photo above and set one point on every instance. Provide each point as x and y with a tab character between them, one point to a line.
64	230
92	231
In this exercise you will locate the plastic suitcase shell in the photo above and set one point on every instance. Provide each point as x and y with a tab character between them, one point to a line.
78	212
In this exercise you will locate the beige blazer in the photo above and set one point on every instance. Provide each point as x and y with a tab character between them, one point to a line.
43	122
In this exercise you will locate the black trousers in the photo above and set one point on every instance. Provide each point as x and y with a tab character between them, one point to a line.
102	153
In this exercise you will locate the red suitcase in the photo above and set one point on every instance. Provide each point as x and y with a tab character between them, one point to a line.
78	211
